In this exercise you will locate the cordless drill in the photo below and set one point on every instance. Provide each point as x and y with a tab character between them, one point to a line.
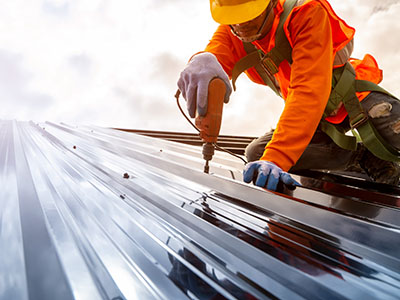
210	124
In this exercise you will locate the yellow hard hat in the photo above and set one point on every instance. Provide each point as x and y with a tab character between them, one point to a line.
236	11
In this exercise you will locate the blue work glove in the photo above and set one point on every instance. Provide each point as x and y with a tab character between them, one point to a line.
267	175
194	81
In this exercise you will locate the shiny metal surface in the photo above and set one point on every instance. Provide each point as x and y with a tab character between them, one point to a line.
96	213
235	144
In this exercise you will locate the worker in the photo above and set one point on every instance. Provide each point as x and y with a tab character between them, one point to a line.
301	49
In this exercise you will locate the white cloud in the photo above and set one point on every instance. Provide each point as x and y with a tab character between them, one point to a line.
17	99
377	30
82	63
59	8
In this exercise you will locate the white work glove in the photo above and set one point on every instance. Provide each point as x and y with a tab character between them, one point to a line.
194	80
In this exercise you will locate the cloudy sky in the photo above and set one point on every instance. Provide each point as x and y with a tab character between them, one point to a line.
115	63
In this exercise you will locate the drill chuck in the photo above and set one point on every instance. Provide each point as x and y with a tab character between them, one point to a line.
208	151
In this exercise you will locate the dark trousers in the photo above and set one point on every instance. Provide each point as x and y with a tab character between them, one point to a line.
323	154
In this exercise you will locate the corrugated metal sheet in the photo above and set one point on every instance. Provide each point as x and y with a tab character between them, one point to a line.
235	144
95	213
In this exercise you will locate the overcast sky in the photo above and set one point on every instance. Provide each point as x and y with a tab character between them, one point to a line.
115	63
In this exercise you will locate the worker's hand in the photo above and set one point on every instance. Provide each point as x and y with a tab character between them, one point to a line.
267	175
194	80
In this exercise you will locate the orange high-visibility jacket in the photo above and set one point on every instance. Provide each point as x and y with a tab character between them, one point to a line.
316	34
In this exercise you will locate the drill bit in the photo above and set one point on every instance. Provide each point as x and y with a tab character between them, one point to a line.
208	152
206	167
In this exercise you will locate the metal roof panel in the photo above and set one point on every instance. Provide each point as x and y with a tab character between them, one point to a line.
96	213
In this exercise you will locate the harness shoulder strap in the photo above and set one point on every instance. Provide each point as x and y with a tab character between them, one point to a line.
268	64
266	76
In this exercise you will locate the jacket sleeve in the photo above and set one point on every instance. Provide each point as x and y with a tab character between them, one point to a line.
309	88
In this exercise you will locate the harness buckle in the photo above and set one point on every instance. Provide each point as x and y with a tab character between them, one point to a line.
269	64
358	120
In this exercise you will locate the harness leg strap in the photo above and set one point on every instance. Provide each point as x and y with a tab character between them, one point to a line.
348	86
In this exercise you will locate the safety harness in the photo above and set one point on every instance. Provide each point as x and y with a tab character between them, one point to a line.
344	88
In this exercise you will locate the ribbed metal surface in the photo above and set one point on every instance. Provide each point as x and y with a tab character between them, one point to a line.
72	227
235	144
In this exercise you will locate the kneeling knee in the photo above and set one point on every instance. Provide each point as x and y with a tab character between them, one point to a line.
253	151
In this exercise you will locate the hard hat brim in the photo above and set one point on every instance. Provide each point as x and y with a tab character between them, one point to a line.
239	13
